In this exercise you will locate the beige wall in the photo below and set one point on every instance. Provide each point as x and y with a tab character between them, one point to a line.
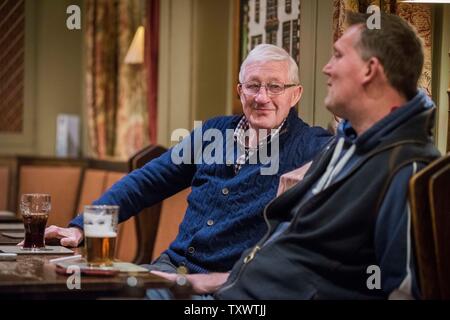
211	32
315	51
175	68
193	66
52	76
441	78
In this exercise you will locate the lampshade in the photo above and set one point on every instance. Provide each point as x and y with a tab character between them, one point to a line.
135	54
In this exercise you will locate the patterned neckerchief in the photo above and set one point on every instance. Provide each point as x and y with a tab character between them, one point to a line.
239	136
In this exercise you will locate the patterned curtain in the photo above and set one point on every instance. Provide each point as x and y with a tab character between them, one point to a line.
132	122
419	15
151	64
115	91
101	75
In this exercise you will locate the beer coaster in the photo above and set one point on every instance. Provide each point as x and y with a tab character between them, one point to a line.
14	235
105	272
116	267
47	250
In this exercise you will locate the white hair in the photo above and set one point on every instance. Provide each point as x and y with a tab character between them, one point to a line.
270	52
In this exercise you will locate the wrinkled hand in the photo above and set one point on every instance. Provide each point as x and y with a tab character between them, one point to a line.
201	283
68	237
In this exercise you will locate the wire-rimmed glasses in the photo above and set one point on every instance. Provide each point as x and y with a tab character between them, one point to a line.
272	88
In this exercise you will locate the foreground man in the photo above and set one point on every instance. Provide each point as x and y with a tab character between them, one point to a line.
224	216
344	231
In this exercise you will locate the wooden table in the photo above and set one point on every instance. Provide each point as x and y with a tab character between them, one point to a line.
10	227
33	277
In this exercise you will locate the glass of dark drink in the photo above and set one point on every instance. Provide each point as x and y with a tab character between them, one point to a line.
35	208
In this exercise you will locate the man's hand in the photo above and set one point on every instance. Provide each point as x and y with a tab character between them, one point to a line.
201	283
68	237
291	178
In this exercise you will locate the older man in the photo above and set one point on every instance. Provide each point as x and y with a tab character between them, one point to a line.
224	216
344	231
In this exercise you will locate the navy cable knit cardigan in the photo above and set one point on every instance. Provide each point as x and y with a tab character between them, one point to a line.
224	214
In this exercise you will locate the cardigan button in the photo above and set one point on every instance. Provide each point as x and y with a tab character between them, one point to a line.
210	222
225	191
191	250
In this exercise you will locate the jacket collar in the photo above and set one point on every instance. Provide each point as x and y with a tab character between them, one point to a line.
391	125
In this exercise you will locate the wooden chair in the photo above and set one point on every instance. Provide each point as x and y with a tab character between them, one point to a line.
8	187
440	217
8	183
4	187
99	176
157	226
146	221
428	198
172	213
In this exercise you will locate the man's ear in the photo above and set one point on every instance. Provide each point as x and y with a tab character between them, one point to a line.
240	94
373	69
296	95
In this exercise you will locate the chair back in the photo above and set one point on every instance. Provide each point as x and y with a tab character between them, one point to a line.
4	186
426	204
8	183
92	187
148	219
172	213
35	178
97	178
440	217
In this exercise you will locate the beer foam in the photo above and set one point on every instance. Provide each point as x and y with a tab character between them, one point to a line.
98	226
98	233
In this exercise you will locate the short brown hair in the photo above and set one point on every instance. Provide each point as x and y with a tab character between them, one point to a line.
398	47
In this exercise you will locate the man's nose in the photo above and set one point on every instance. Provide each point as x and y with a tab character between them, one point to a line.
326	69
262	95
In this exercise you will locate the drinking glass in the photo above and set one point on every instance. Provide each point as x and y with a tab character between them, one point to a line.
100	233
35	208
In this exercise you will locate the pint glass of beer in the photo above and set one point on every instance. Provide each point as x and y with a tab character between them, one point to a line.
35	208
100	233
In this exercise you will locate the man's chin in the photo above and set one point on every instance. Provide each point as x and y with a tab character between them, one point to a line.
329	105
262	125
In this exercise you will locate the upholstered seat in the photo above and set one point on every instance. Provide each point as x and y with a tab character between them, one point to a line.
61	182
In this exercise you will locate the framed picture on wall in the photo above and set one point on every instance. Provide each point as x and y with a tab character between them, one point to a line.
265	21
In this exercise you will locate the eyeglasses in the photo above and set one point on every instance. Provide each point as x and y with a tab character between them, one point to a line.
272	88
